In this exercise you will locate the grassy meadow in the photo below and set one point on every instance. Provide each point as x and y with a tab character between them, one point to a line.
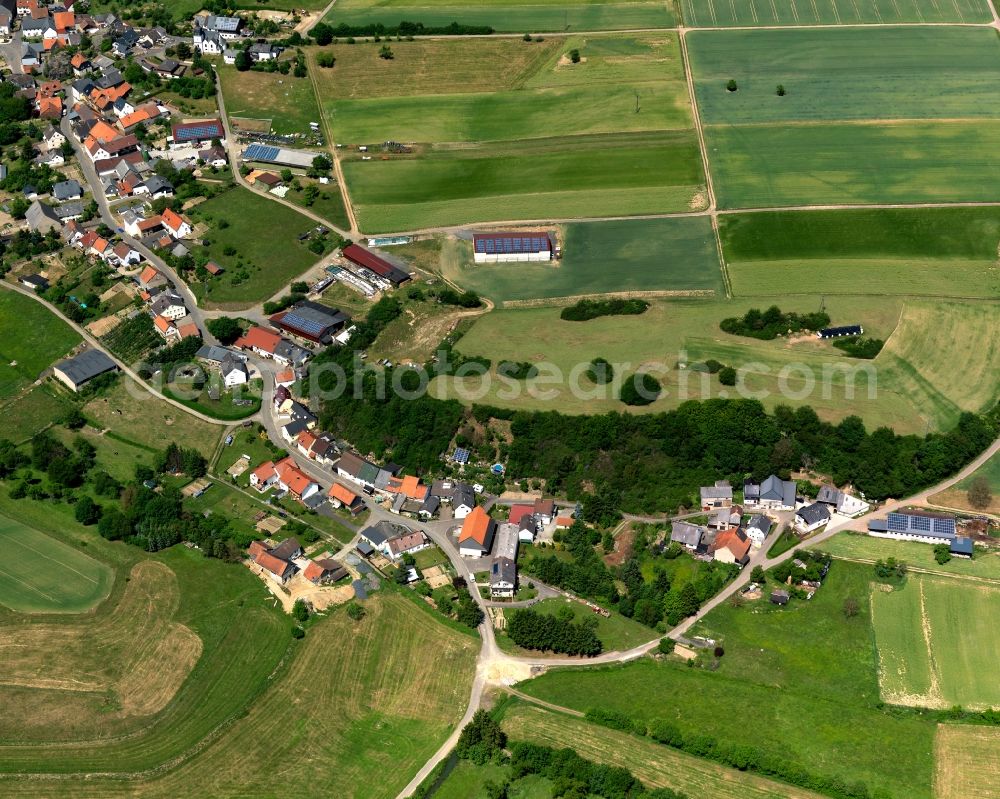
740	13
509	16
914	251
24	358
984	566
43	575
797	682
25	414
507	129
642	255
909	387
261	265
616	633
845	74
937	642
289	102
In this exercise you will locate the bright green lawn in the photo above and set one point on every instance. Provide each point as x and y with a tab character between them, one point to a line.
468	781
269	262
847	73
24	357
601	257
329	205
509	15
43	575
783	165
728	13
986	564
805	675
937	642
576	177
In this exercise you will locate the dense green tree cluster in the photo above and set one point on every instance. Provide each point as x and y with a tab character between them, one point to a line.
585	574
533	630
517	370
481	740
856	347
585	310
773	322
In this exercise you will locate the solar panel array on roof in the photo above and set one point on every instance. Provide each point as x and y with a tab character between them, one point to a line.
198	132
299	322
511	244
929	525
461	456
260	152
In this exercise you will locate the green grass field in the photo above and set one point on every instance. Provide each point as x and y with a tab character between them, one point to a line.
665	255
812	164
930	251
24	358
986	564
267	262
733	13
845	74
43	575
289	102
370	698
25	415
937	642
507	129
561	178
510	15
911	384
797	682
329	204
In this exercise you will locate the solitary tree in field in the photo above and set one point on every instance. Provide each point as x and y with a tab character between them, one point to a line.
851	607
781	90
980	494
574	56
386	53
243	62
731	86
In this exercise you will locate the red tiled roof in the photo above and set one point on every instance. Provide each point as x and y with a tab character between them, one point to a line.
272	564
339	492
475	527
518	512
259	337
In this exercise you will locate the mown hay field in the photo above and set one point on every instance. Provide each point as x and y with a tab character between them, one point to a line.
24	357
354	696
655	765
937	642
967	759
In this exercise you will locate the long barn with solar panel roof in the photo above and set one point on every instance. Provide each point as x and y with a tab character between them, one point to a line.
490	248
311	321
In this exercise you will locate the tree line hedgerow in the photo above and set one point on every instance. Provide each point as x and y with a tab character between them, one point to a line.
546	633
585	310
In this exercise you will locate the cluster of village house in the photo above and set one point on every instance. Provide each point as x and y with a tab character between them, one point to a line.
286	559
734	530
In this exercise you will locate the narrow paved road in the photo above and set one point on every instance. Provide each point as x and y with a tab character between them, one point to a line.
94	181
